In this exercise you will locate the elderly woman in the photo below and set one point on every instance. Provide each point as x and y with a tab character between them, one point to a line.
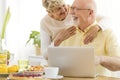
58	25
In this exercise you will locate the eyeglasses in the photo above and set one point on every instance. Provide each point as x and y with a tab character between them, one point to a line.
59	8
76	9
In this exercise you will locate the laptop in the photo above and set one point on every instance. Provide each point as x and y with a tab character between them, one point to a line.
73	61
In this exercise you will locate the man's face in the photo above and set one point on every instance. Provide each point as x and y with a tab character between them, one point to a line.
60	12
79	12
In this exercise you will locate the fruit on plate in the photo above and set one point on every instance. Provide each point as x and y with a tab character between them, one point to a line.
13	68
35	68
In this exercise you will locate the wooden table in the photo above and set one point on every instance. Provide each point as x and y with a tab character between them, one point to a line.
68	78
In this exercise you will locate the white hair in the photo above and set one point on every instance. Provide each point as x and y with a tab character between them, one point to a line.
51	5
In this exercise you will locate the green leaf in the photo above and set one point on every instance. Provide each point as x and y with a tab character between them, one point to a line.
6	20
35	36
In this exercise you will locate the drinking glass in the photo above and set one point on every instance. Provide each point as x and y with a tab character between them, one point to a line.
3	62
3	58
23	64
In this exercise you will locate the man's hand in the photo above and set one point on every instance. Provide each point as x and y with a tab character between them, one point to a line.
97	60
91	34
64	34
111	63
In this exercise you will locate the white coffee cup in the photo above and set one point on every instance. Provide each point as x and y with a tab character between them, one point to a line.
51	71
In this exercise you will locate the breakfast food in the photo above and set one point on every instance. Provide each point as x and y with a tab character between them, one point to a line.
36	68
26	74
13	68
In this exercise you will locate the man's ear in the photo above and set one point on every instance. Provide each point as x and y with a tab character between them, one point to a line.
91	12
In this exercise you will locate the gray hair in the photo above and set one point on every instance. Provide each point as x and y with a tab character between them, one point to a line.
51	5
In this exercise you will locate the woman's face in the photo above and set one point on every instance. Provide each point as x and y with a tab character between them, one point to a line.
59	13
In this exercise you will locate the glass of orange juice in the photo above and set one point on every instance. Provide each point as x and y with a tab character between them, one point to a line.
3	58
3	62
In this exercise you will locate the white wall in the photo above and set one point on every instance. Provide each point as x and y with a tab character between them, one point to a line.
25	16
111	8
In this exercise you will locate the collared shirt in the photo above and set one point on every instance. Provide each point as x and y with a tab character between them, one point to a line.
104	43
78	38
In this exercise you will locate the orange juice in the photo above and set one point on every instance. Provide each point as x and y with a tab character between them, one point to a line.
3	58
3	63
3	68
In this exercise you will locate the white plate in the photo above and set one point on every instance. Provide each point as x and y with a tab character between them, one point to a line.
51	77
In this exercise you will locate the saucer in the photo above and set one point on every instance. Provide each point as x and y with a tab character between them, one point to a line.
53	77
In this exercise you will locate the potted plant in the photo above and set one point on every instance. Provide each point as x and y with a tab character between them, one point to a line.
35	37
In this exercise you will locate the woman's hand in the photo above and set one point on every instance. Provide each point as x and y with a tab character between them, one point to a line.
91	34
64	34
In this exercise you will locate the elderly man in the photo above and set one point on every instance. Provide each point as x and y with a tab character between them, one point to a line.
54	24
84	13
